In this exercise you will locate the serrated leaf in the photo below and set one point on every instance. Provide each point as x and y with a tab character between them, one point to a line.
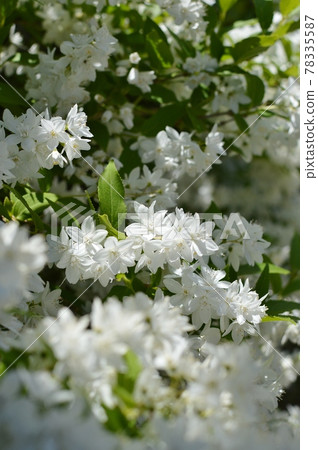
264	11
262	284
111	195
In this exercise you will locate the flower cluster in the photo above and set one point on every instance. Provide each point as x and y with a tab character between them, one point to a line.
60	81
239	241
153	240
206	297
163	312
145	342
21	259
177	153
35	141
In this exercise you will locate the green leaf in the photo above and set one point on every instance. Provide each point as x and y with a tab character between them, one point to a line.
290	319
287	6
276	282
159	51
264	11
6	8
134	367
126	380
161	94
119	291
196	122
216	46
274	269
213	209
167	115
240	122
69	210
186	48
255	86
156	278
36	201
292	286
118	422
157	45
5	209
262	285
226	5
104	220
295	252
130	159
4	32
255	89
276	307
45	183
111	195
249	48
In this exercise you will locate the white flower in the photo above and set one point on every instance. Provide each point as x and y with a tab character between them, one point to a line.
127	116
76	123
58	245
143	80
245	307
46	302
73	260
134	58
117	255
24	128
52	132
6	164
148	224
90	235
186	10
73	147
214	145
20	258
